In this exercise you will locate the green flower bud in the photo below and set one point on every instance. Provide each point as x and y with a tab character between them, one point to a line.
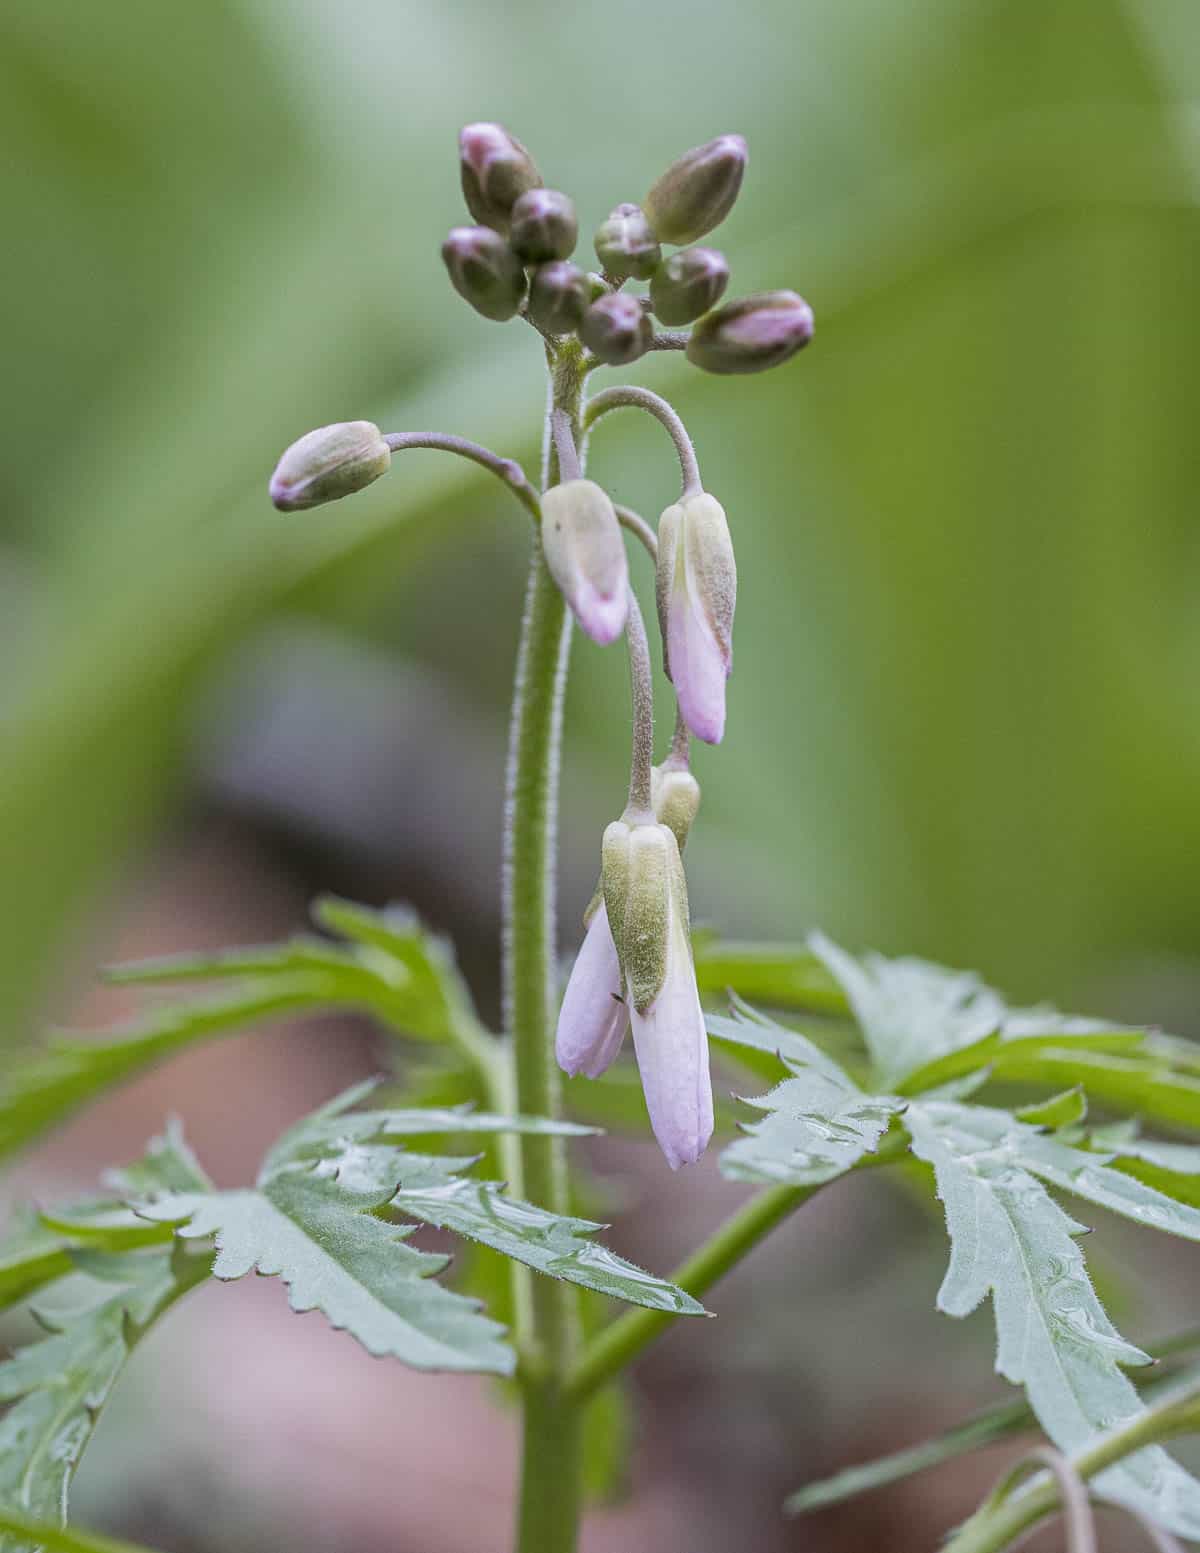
559	295
582	542
697	192
496	170
616	329
485	271
543	226
653	875
676	800
627	246
751	334
688	284
329	463
614	882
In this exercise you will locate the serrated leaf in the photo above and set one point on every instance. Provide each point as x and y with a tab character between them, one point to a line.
816	1126
920	1021
1061	1110
329	1129
1011	1240
58	1385
556	1244
316	1231
72	1071
431	1001
747	1027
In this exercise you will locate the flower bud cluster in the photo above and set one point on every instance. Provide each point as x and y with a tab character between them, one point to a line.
518	258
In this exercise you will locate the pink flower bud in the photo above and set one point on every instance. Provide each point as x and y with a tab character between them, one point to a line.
593	1019
697	589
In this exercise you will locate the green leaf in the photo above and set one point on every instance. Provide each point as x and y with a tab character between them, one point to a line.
314	1218
778	975
987	1426
31	1255
817	1124
314	1227
558	1245
301	953
1062	1110
982	1428
924	1024
30	1533
1170	1168
58	1385
71	1071
328	1130
1011	1240
748	1028
431	1001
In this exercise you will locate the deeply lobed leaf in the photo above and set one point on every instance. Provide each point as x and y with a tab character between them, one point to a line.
1011	1240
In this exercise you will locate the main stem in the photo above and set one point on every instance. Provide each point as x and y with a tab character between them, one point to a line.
546	1308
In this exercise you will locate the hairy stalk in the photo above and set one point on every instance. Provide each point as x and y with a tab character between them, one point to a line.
1003	1518
547	1309
627	398
641	685
639	528
507	469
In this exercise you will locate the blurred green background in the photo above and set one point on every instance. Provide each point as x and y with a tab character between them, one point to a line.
965	712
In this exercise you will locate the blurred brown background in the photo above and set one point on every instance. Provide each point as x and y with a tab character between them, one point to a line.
965	717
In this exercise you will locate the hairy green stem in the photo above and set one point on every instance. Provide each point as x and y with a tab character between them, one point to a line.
1001	1520
546	1309
608	1353
629	1334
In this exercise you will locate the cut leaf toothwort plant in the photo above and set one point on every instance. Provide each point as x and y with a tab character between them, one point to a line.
992	1103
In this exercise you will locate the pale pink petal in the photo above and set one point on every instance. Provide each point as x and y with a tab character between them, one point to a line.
672	1052
593	1018
699	668
600	615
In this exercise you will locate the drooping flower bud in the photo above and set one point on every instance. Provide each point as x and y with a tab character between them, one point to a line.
593	1019
627	245
688	284
496	170
542	226
616	329
676	798
329	463
669	1033
636	967
559	295
697	191
696	585
584	550
751	334
485	271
